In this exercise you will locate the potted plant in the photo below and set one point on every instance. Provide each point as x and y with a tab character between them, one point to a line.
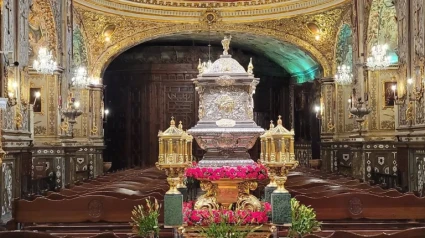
303	220
227	226
145	219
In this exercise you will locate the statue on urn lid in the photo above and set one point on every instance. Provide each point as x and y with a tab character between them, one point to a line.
250	67
226	43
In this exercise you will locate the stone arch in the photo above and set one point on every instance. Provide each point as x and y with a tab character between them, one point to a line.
98	66
42	28
382	27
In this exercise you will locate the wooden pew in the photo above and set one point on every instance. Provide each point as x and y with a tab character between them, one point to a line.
410	233
367	206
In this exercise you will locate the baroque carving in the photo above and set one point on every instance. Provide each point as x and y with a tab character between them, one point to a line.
42	28
382	26
23	32
210	16
418	28
130	32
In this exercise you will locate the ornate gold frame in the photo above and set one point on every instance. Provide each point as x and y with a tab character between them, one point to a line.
32	85
384	106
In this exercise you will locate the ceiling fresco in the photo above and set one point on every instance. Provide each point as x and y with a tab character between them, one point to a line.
291	58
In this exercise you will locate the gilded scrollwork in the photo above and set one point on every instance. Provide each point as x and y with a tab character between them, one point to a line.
245	200
130	31
207	200
42	28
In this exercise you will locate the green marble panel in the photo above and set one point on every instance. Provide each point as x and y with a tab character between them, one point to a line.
173	210
281	208
267	194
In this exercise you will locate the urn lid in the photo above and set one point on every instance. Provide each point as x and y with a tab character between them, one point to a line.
225	65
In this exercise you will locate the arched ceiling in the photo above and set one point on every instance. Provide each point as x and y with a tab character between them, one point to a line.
299	64
191	11
283	40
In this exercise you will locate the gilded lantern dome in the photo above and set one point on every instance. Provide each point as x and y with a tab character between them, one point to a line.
175	145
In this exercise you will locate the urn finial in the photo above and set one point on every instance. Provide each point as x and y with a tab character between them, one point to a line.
279	121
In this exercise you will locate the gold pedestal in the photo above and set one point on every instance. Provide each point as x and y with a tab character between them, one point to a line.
225	192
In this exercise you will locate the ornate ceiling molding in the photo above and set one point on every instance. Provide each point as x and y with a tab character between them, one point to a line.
107	56
132	31
192	11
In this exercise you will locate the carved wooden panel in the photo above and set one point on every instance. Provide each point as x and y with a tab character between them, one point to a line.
144	91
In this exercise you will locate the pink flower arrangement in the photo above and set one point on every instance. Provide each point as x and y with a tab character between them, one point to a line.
240	172
205	217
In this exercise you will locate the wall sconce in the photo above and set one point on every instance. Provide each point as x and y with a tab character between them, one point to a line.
95	81
417	92
399	91
350	105
105	115
36	96
318	111
12	95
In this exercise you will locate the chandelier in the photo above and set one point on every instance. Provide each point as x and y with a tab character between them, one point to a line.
379	59
80	80
343	75
44	63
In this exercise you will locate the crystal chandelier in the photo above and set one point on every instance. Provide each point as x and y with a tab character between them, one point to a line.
379	59
343	75
44	63
80	80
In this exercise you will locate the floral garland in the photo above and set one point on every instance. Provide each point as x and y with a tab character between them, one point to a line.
204	217
258	172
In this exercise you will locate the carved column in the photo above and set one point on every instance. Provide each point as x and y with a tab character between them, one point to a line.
418	54
328	108
402	10
359	49
95	118
327	119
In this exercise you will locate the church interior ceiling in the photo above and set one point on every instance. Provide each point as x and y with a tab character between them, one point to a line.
301	45
190	11
292	59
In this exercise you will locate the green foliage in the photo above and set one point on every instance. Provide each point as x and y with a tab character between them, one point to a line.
145	218
303	219
226	229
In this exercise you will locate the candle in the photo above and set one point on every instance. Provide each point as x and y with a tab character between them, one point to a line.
394	87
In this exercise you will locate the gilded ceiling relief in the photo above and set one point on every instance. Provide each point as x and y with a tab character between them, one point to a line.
103	45
42	31
187	11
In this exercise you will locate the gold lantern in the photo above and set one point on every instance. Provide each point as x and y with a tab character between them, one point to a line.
175	154
277	154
